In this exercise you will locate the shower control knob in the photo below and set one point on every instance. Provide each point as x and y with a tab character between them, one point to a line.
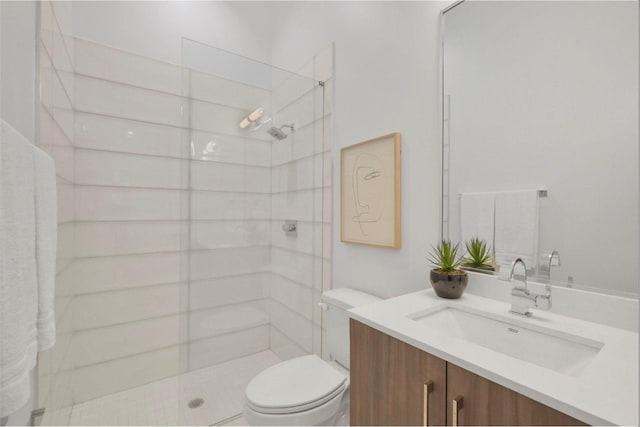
290	227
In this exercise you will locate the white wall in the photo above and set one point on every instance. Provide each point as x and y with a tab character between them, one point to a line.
18	26
155	29
1	62
386	80
17	99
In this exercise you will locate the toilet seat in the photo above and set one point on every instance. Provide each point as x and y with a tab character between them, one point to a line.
295	385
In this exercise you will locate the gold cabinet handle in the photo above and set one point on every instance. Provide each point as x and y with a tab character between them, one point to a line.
457	405
426	390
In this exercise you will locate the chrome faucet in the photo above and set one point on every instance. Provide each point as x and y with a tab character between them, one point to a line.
546	262
522	299
552	256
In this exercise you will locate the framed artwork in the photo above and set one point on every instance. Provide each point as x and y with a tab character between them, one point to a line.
370	192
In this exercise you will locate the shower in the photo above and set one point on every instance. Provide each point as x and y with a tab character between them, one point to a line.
278	133
210	187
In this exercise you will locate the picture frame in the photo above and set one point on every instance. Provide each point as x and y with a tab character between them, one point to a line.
370	192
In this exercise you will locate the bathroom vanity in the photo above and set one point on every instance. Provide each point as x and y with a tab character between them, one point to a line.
421	360
398	384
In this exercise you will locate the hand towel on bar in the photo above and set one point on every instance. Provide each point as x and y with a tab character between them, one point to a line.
18	275
476	217
516	231
46	246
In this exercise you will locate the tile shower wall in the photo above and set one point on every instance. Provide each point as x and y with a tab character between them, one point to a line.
229	222
301	190
171	255
172	222
54	134
131	142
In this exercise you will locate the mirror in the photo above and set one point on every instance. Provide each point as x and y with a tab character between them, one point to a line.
544	96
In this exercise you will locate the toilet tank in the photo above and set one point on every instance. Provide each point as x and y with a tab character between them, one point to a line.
338	301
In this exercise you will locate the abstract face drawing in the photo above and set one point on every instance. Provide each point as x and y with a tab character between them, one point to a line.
367	190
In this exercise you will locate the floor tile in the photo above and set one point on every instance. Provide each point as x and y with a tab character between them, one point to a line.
165	402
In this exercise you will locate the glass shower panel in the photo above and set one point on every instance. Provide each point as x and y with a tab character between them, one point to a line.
248	299
121	191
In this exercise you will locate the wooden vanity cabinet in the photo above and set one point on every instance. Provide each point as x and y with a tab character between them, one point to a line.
389	381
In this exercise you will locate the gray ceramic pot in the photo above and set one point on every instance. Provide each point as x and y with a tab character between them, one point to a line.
450	286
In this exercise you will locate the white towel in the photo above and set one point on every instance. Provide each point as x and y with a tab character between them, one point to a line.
477	217
46	246
516	232
18	276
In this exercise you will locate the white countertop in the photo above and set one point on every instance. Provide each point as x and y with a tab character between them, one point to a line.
605	392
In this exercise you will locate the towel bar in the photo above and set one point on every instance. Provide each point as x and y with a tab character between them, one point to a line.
541	193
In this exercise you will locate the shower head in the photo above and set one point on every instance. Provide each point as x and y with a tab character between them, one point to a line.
278	133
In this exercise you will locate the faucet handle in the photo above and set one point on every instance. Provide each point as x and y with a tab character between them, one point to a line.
543	301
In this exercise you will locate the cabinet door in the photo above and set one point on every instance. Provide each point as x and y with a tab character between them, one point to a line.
369	390
388	379
487	403
417	386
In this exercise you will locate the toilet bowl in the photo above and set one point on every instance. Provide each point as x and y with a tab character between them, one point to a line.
307	390
301	391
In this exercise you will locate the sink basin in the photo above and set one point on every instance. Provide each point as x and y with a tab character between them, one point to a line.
563	353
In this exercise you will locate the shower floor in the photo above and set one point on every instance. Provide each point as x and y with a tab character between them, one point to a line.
165	402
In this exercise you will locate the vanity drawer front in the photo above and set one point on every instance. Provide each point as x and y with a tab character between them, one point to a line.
487	403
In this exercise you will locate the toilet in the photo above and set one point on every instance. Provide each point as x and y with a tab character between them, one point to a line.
307	390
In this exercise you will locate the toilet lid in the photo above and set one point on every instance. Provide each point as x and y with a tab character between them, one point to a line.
294	385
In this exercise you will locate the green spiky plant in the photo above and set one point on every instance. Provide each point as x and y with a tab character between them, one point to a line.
445	258
478	254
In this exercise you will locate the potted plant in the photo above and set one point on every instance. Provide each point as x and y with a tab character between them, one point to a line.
478	255
447	280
